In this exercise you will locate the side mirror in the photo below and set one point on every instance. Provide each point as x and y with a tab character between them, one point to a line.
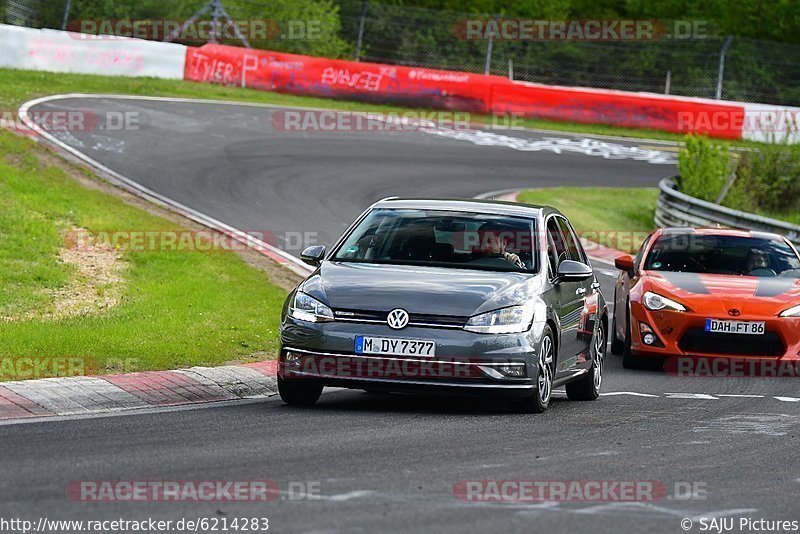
313	255
573	271
625	263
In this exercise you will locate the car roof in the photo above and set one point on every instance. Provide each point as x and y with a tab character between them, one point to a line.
498	207
731	232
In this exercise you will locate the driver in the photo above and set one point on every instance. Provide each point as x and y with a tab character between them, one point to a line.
493	243
756	259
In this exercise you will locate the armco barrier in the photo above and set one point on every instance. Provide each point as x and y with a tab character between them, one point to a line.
370	82
678	209
56	51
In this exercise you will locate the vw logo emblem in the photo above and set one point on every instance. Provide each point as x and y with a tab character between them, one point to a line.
733	312
398	318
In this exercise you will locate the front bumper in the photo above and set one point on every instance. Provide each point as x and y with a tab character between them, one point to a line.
465	363
683	334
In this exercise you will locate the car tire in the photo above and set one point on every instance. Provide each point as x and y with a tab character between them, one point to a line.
298	394
629	361
540	398
588	387
617	345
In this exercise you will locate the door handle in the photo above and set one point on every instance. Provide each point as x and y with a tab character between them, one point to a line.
581	291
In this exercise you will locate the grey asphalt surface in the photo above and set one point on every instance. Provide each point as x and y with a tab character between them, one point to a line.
390	463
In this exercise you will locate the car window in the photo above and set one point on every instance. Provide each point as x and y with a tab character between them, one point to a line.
442	238
723	254
570	241
556	248
638	258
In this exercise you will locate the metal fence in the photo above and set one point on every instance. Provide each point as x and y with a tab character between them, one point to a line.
678	209
712	67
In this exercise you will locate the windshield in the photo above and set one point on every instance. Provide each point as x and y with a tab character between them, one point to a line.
714	254
442	239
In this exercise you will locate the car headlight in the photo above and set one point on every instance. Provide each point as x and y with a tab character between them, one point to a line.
512	320
794	311
655	302
307	308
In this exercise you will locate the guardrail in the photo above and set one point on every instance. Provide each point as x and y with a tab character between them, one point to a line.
679	209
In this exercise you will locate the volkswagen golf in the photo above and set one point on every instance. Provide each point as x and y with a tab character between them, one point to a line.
448	296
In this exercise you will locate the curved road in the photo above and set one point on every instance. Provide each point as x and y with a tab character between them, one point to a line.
385	463
232	163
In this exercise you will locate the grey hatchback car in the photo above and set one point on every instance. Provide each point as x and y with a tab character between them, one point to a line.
456	296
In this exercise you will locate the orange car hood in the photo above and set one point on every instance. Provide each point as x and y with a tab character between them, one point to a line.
718	293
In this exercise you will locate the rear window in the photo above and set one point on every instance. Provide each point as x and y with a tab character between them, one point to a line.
732	255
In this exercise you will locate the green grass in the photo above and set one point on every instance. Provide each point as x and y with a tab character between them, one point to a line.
19	86
788	216
177	308
617	217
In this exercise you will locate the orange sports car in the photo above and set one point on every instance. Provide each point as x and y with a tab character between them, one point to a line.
708	293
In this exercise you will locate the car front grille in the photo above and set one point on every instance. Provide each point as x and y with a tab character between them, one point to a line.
415	319
698	340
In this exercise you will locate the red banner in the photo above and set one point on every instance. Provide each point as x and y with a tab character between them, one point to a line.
453	90
371	82
618	109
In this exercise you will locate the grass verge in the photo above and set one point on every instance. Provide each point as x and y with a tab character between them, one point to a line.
172	309
19	86
617	217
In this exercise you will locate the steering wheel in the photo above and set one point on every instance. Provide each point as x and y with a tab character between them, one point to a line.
762	271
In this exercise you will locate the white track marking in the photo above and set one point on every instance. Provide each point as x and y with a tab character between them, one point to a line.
632	393
357	494
700	396
788	399
650	507
557	145
751	423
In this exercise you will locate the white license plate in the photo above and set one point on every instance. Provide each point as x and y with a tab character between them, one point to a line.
395	347
735	327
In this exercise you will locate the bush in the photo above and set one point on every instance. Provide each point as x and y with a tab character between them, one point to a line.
704	168
768	180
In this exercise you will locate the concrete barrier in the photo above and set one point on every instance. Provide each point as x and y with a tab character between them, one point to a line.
57	51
